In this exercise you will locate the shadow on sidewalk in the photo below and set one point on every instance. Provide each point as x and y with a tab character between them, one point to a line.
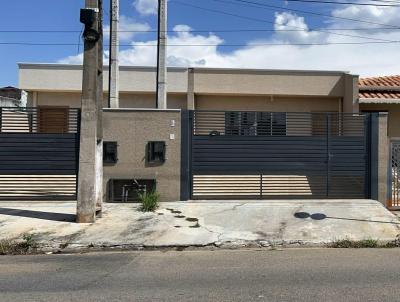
321	216
38	215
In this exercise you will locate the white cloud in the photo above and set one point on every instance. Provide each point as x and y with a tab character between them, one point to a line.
146	7
366	60
374	14
75	60
289	21
127	28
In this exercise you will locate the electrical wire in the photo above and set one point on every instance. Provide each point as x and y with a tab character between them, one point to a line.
208	30
273	22
273	7
346	3
204	45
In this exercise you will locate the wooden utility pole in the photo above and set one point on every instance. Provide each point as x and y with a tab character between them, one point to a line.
162	55
90	177
113	83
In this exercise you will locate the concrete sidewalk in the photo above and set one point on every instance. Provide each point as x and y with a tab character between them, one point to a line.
217	223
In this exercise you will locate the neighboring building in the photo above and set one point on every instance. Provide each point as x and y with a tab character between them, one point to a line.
202	88
382	94
12	97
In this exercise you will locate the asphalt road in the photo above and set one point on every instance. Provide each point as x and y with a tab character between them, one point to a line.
244	275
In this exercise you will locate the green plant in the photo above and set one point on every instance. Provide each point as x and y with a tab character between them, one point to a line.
28	242
355	244
149	201
15	247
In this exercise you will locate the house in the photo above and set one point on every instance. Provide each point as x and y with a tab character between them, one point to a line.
227	133
12	97
382	94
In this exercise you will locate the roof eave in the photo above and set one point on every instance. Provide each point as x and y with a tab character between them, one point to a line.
379	101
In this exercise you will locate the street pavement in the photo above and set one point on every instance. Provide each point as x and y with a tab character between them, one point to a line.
205	275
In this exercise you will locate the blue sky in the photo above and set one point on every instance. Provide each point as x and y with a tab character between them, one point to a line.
369	59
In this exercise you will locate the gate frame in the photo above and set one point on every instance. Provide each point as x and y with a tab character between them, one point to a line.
373	133
390	175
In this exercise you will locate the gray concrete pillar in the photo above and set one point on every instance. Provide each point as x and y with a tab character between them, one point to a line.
379	157
190	92
383	158
87	185
89	177
350	98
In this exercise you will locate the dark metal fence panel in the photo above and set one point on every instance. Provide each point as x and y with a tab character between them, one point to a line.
271	155
39	153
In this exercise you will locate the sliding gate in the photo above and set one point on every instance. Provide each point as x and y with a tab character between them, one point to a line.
238	155
39	150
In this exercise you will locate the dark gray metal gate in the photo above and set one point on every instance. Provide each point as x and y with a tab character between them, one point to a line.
394	181
279	155
39	150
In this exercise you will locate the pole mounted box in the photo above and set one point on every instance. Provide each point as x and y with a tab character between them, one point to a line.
88	16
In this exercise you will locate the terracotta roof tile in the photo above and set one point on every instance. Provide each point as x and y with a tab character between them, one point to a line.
387	81
372	95
387	87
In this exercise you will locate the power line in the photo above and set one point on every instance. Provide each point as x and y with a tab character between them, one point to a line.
209	30
347	3
270	7
202	45
273	22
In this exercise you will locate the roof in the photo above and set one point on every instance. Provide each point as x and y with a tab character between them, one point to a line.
11	92
380	89
58	66
386	82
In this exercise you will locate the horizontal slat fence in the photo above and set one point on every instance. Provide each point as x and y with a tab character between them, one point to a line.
39	150
278	155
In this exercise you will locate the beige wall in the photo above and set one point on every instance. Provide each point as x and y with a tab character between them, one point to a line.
132	129
127	100
202	102
137	85
255	82
394	116
60	77
267	103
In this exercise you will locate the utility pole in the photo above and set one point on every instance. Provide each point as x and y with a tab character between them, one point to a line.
99	107
90	178
113	83
162	55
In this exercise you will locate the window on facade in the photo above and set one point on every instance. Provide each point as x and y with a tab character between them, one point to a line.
255	123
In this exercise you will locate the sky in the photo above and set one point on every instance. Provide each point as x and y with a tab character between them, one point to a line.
214	33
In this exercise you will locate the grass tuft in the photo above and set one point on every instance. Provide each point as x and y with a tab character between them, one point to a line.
150	201
18	247
355	244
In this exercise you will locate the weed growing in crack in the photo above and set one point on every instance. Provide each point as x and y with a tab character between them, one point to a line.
150	201
356	244
18	247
